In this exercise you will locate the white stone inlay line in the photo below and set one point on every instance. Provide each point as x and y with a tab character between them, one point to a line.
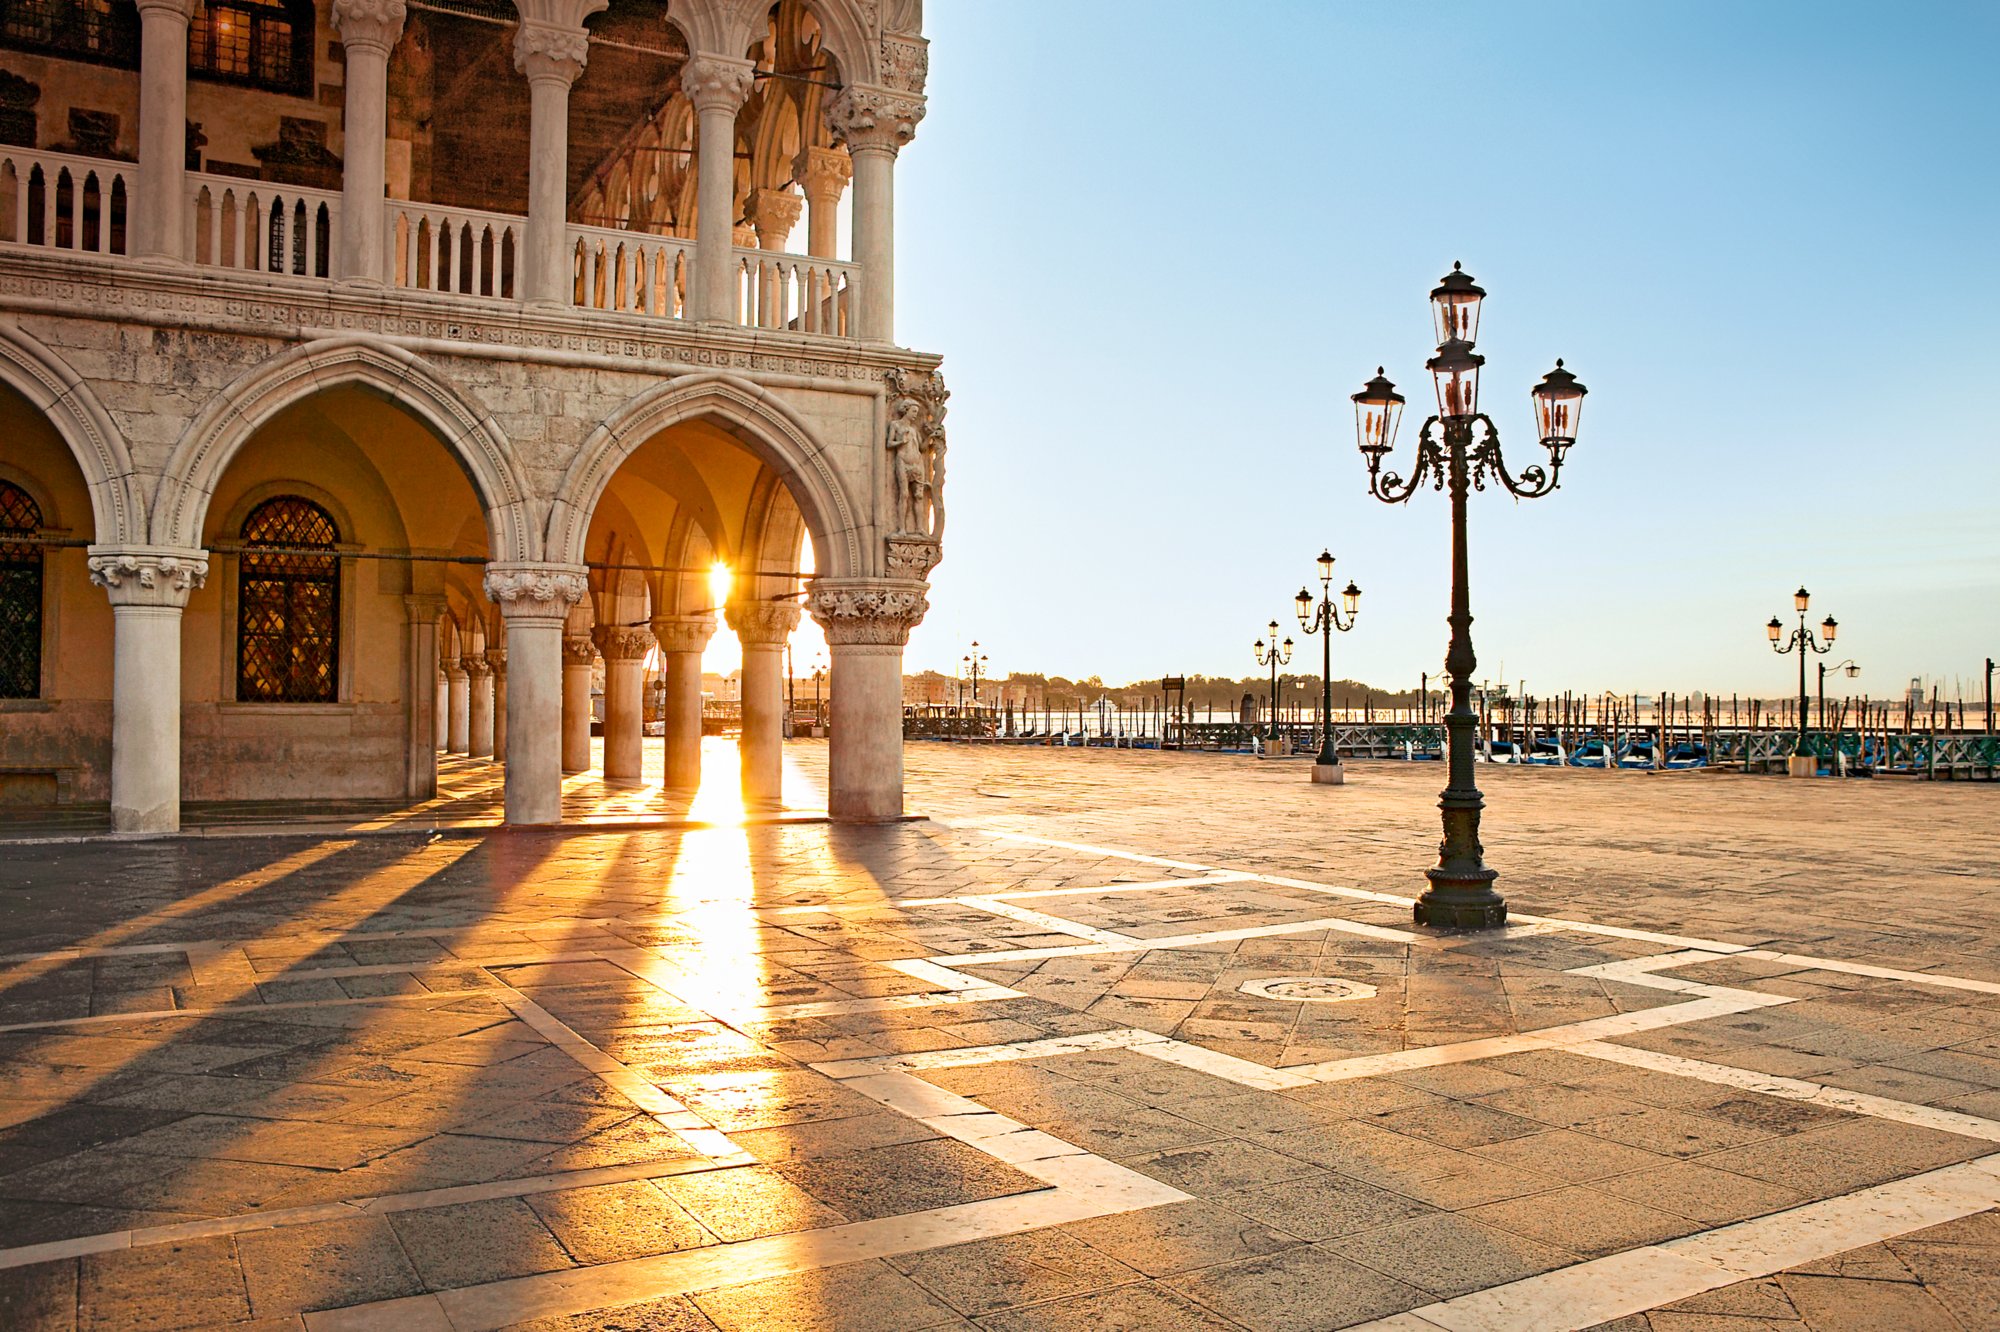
1586	1294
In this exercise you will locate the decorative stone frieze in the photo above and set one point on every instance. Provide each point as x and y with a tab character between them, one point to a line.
714	83
684	634
621	643
148	576
867	118
369	24
867	611
762	622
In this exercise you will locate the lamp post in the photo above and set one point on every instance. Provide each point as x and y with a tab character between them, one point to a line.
974	659
1323	620
1457	450
1274	657
1802	641
1848	666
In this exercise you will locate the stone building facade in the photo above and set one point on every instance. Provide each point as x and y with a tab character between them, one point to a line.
371	371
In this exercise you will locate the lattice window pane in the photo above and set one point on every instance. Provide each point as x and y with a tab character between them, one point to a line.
288	605
20	594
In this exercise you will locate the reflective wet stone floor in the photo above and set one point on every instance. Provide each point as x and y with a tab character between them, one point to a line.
1114	1040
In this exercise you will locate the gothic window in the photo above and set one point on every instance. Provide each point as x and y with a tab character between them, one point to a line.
288	604
264	43
95	30
20	594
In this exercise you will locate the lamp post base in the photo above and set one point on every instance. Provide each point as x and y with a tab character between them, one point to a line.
1461	901
1802	765
1278	748
1329	774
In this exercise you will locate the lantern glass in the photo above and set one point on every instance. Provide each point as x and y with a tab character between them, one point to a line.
1455	307
1325	562
1378	410
1352	597
1852	670
1829	627
1773	629
1456	370
1558	407
1801	599
1305	602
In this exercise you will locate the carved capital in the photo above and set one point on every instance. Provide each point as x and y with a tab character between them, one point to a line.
906	62
618	643
549	51
774	213
762	623
684	634
369	24
454	670
867	118
533	591
867	611
579	650
496	658
181	11
913	557
714	83
824	172
148	575
475	665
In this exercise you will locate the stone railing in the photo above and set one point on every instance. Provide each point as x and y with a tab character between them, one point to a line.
261	226
630	271
792	292
458	251
60	202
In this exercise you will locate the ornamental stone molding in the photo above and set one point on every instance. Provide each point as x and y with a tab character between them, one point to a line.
715	83
913	558
524	590
762	623
906	62
148	576
579	650
868	119
621	643
824	173
867	611
684	634
375	24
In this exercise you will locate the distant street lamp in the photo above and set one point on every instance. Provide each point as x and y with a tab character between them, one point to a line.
1274	658
1852	671
974	659
1461	892
1323	620
1802	641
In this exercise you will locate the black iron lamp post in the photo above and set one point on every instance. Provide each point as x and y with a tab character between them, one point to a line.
974	659
1274	657
1848	666
1458	450
1323	620
1802	641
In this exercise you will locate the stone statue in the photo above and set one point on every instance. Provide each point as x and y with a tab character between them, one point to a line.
916	442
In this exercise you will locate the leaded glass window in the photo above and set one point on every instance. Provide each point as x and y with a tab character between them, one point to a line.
265	43
288	604
20	594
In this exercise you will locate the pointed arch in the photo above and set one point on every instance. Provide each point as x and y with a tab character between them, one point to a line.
766	427
117	503
229	420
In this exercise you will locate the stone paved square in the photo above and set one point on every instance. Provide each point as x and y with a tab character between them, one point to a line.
1027	1063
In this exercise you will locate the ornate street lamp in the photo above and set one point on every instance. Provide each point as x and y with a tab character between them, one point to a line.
1458	450
1849	667
1274	657
974	659
1323	620
1802	641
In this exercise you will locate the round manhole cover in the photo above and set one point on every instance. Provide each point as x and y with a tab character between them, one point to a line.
1309	989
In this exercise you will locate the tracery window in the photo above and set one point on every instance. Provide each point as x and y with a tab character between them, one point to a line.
265	43
96	30
20	594
288	604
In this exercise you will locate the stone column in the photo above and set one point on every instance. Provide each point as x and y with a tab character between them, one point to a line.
682	641
148	587
550	47
157	214
443	708
624	653
497	659
867	623
763	628
875	123
421	670
479	709
579	655
773	213
824	172
368	32
458	729
717	86
534	599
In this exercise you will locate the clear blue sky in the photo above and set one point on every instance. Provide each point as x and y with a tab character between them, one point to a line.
1160	244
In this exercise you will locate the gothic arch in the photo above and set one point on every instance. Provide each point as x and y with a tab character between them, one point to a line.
730	26
762	424
117	504
229	419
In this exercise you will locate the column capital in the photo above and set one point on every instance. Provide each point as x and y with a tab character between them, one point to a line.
551	52
876	611
687	633
496	658
422	607
762	623
369	24
717	83
178	9
454	669
531	590
475	665
148	575
874	119
824	172
620	642
578	650
774	213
